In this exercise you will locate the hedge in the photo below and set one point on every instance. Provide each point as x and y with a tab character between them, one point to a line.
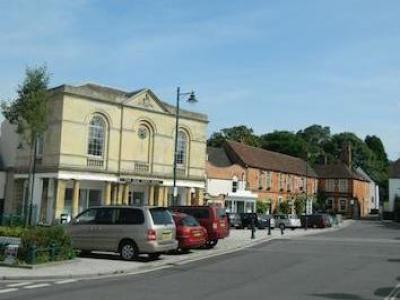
41	244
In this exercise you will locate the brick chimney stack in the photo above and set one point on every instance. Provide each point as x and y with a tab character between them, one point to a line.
346	156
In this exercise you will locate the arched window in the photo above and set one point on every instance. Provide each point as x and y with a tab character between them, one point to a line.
96	137
181	151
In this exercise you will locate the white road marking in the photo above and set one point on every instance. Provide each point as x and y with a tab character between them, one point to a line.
19	284
8	290
36	286
394	293
65	281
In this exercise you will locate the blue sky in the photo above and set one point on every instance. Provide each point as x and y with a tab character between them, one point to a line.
266	64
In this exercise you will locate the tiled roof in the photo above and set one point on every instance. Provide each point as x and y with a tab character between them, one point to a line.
113	95
218	157
364	174
268	160
394	169
338	171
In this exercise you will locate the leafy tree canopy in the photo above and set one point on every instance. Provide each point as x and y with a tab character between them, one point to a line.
318	144
29	110
242	134
284	142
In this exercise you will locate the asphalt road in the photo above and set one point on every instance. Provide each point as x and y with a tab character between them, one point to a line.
359	262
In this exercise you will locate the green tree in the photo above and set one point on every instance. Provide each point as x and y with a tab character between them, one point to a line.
300	204
283	208
285	142
375	144
262	207
28	112
242	134
316	137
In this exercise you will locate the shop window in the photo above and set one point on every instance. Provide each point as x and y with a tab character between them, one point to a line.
138	199
68	201
329	203
342	204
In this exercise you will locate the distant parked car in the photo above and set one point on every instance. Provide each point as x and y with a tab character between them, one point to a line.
316	220
189	233
212	218
259	222
124	229
269	217
287	221
234	220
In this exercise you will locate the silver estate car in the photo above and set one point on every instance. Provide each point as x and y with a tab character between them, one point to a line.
287	221
127	230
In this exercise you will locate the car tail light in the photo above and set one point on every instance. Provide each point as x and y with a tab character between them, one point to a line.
151	235
215	225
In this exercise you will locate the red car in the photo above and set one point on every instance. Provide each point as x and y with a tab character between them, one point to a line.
189	233
212	218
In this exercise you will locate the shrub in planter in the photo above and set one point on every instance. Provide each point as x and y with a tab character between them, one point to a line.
41	244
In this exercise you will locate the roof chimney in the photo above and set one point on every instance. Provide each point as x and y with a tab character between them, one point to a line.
346	155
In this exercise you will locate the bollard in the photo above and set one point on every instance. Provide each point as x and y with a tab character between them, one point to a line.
269	226
52	251
253	229
32	254
282	229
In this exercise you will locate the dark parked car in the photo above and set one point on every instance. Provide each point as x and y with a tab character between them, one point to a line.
234	220
212	218
316	221
259	222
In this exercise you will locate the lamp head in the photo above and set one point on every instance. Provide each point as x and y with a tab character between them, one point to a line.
192	98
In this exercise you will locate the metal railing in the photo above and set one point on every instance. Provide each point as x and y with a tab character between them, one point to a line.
95	163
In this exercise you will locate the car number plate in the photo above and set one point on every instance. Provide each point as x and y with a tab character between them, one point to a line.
196	234
167	235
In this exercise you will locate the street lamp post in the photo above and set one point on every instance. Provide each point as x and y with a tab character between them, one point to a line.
270	217
191	99
306	199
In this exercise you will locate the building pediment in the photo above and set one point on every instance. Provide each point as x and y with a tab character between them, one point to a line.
146	99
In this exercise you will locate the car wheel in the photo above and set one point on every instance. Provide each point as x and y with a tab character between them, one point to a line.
154	256
282	226
211	244
128	250
183	250
85	252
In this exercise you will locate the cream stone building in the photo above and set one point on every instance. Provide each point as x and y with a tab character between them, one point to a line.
106	146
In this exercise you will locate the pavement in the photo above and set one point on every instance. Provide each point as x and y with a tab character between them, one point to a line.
107	264
358	262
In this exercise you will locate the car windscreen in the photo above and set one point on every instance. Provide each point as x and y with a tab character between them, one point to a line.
161	216
221	213
190	221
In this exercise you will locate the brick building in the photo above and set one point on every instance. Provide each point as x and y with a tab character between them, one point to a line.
272	176
345	190
226	183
